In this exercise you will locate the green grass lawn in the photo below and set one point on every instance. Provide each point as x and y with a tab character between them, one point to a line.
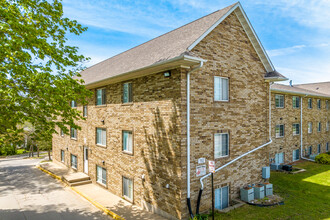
21	151
306	196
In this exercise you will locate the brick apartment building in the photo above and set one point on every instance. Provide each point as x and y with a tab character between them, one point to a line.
300	116
162	109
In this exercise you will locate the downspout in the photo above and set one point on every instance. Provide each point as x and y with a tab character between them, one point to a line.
239	157
301	131
188	137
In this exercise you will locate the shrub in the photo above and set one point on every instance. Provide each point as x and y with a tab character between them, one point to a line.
323	158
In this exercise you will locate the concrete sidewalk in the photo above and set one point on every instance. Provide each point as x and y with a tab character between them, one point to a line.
103	197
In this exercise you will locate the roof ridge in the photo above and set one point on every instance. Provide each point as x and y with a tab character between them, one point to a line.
230	6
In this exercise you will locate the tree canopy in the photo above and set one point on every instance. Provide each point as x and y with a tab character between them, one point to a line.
38	70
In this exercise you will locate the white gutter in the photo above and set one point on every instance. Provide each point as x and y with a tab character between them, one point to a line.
255	149
299	93
188	126
301	130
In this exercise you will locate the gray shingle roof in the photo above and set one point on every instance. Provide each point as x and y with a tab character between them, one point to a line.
321	87
275	74
296	90
164	47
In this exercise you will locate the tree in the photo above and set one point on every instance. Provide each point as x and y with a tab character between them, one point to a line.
39	72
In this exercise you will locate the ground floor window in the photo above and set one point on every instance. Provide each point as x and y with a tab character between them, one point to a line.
101	175
310	150
319	148
62	156
128	188
279	158
221	197
295	155
74	161
327	147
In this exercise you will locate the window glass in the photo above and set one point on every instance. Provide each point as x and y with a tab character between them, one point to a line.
296	101
73	104
319	103
127	93
221	145
73	133
279	131
221	89
100	97
62	156
73	161
296	128
319	148
319	127
101	136
279	101
310	127
310	103
128	141
101	175
85	111
128	188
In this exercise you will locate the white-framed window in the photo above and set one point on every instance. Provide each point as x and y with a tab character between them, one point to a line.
221	145
310	127
101	96
74	161
128	141
319	148
319	103
296	128
62	133
296	101
101	136
279	101
327	104
279	131
310	150
221	197
73	133
319	126
327	147
295	155
85	108
310	103
221	88
62	156
327	125
73	104
128	188
127	93
101	175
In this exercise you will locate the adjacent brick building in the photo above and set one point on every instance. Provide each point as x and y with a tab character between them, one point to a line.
202	88
291	104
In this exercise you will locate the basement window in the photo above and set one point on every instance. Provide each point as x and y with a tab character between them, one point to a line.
296	101
221	198
279	131
221	145
221	88
128	188
101	175
74	161
295	128
295	155
279	101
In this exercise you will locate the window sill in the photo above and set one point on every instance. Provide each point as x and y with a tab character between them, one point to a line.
100	106
73	139
100	145
222	157
280	137
128	199
101	184
75	169
127	104
128	152
218	101
280	107
296	134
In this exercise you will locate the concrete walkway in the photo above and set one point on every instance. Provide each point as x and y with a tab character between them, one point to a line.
102	196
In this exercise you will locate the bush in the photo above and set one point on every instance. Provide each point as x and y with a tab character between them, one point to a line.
323	158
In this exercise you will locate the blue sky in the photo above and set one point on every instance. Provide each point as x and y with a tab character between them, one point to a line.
295	33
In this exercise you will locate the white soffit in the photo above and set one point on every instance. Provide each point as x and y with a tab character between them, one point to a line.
239	12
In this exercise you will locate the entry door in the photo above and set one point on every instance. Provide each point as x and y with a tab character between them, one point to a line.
86	160
221	199
279	158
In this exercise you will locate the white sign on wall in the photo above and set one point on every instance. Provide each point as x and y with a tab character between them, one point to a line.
211	166
201	170
201	160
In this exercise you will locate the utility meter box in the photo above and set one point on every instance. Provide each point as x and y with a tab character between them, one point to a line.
259	191
268	189
266	172
247	194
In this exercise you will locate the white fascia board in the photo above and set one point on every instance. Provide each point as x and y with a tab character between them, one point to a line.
212	27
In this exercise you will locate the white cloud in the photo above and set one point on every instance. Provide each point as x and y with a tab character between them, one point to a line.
285	51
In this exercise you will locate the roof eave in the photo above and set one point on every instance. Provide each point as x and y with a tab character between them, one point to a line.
275	79
299	93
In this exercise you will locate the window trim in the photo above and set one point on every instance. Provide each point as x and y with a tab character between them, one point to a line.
122	137
221	100
293	125
228	145
105	137
280	102
103	97
124	196
280	130
106	176
75	168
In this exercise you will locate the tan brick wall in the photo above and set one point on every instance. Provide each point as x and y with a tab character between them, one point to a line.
229	54
289	115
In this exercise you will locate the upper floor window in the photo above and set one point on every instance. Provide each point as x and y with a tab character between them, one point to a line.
319	127
62	133
128	141
279	101
327	104
221	145
295	128
127	93
310	103
221	88
73	104
101	136
310	127
73	133
279	131
85	111
100	96
62	156
327	125
319	103
296	101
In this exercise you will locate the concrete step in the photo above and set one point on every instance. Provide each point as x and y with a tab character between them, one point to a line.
75	177
80	183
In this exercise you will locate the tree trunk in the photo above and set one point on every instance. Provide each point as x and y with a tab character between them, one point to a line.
37	151
49	153
32	150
